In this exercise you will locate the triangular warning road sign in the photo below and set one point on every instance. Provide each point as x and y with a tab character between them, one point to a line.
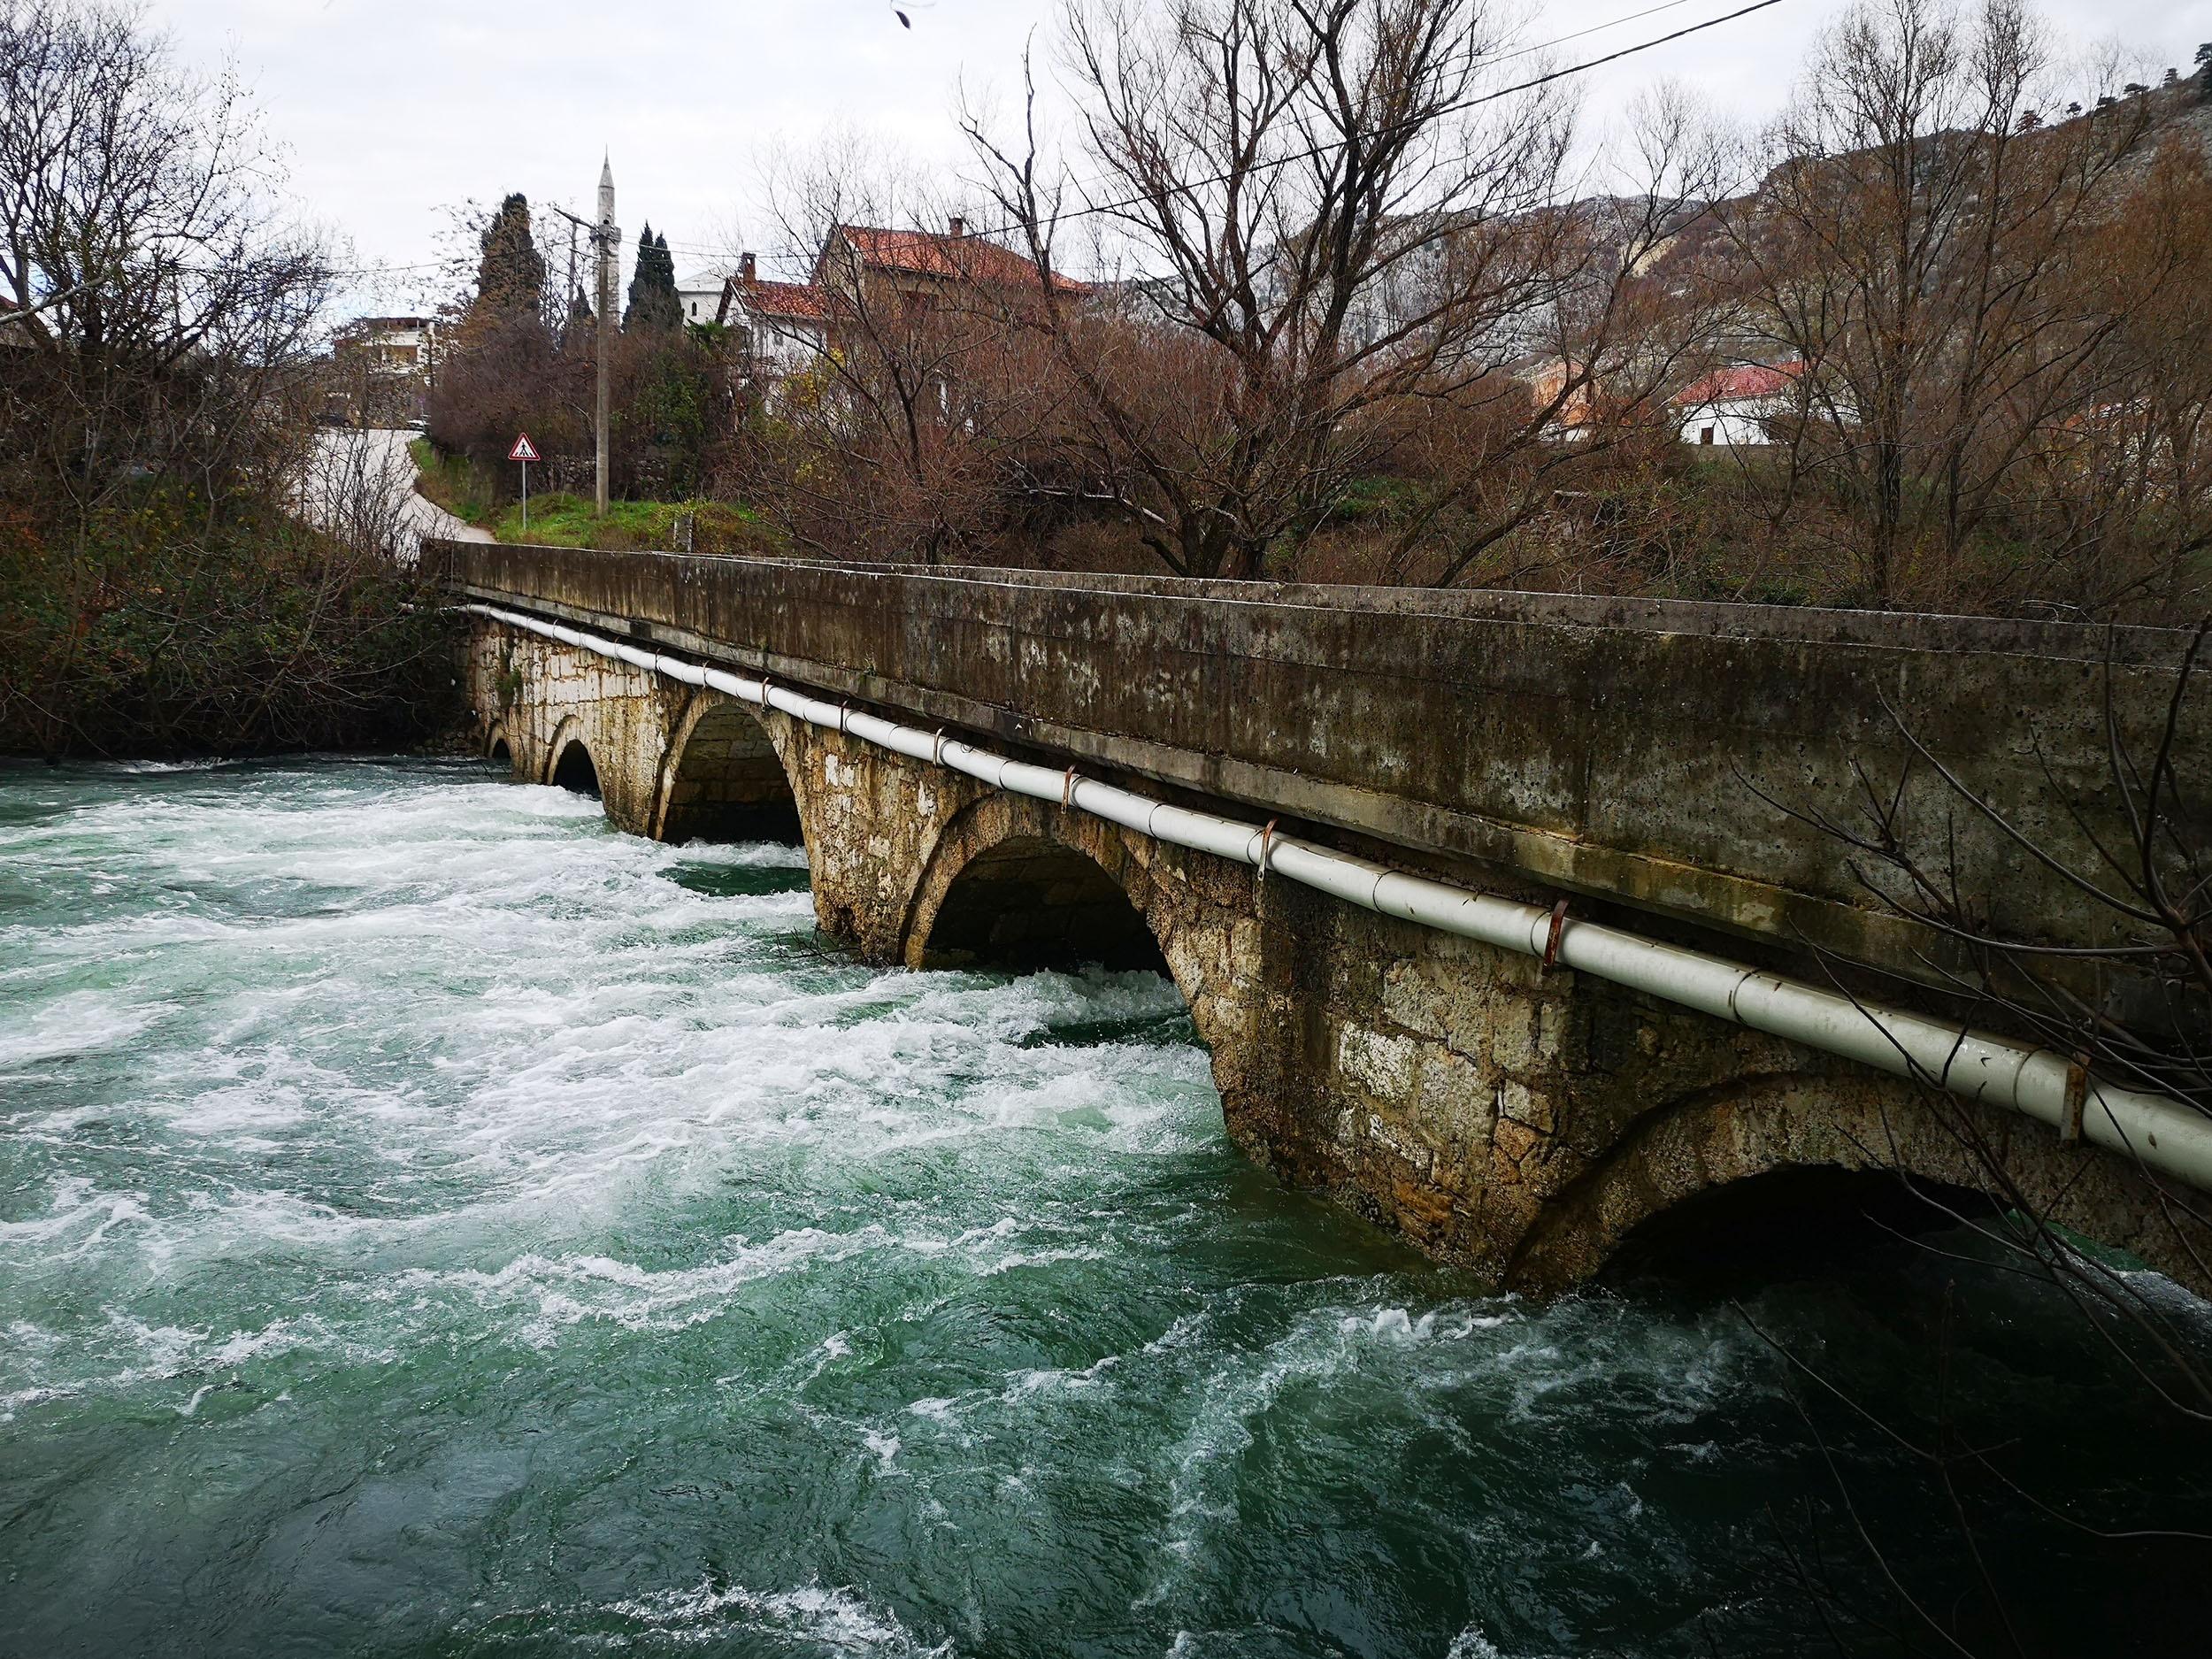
522	451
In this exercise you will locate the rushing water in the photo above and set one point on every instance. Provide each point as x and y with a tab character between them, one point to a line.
431	1222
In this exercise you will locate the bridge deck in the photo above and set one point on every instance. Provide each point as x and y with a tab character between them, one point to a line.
1617	749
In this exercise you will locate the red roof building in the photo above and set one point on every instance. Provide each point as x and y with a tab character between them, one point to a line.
949	256
1745	382
1735	407
867	269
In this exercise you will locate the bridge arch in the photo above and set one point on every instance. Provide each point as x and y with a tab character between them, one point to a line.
1023	884
726	778
1829	1143
1185	913
569	762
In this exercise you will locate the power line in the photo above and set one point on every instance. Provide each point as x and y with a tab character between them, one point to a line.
1596	28
1313	152
700	252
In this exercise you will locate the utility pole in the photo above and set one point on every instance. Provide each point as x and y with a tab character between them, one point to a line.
606	237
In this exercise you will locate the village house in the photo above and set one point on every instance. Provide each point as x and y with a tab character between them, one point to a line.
389	363
701	304
391	345
1736	408
920	270
867	272
781	327
1576	410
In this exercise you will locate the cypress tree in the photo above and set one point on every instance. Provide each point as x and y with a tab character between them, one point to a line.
510	275
653	302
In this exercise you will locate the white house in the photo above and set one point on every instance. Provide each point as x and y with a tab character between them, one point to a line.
1736	408
784	328
703	305
390	362
392	345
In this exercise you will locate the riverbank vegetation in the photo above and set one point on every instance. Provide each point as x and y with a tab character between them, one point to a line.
469	491
1340	300
159	591
1355	306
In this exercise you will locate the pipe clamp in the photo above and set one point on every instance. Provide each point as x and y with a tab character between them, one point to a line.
1551	940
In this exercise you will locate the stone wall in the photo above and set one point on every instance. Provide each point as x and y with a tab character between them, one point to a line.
1521	1122
1638	753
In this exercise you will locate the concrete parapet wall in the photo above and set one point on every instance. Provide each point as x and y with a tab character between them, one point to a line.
1521	1122
1618	749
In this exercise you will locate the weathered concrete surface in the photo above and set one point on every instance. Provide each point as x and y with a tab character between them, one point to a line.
1519	1121
1608	749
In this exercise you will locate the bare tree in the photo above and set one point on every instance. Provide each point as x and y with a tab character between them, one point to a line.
1628	320
2118	489
1338	212
914	398
1914	244
159	591
159	297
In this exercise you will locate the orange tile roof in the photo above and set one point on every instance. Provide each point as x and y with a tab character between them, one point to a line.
797	302
1745	380
935	253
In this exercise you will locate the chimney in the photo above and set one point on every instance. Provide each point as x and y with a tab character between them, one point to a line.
959	227
745	269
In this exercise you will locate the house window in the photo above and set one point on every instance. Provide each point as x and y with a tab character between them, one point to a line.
1705	435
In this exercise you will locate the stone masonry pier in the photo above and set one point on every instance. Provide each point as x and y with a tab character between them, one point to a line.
1625	757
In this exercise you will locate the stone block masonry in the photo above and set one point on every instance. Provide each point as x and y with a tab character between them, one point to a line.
1522	1121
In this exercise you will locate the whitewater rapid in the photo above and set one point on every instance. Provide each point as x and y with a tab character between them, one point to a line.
433	1222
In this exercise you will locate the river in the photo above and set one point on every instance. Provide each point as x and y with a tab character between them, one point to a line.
433	1222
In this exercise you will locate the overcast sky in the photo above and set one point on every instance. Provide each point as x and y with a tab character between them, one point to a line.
393	107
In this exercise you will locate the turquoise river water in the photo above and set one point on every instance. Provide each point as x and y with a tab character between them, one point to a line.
433	1222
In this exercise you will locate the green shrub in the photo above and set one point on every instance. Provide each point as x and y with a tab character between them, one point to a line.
561	519
153	634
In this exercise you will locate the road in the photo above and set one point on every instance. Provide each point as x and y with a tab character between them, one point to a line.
362	487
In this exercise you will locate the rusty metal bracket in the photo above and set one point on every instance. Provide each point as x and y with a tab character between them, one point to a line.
1551	940
1267	844
1067	788
2076	1099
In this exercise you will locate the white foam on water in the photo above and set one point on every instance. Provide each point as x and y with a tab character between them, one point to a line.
1472	1644
77	1022
430	1059
571	1290
1531	1369
77	1221
840	1620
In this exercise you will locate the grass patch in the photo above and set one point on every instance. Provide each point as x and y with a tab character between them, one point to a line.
451	482
561	519
1375	499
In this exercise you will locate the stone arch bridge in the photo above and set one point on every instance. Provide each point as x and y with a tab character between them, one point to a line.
1630	758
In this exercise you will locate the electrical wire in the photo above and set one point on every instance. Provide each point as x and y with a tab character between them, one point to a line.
1091	210
1314	152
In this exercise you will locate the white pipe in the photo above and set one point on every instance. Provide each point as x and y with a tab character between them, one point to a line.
2161	1133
